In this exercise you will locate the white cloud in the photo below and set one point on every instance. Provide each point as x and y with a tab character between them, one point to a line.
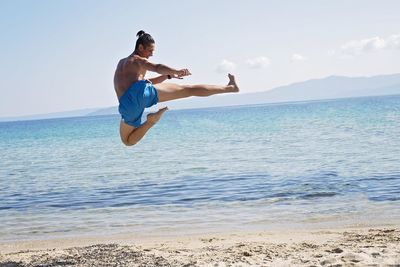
357	47
225	66
258	62
331	52
394	41
298	57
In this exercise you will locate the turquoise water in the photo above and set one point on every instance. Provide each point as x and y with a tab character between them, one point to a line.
232	168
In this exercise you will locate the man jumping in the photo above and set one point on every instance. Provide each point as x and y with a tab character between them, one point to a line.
136	93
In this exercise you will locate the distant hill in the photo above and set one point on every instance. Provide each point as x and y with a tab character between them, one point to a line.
327	88
104	111
65	114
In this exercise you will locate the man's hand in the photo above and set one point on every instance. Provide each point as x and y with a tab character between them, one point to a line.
183	73
153	118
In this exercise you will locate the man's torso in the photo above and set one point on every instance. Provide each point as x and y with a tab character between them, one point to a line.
127	73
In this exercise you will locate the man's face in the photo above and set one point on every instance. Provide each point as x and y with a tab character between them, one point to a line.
148	51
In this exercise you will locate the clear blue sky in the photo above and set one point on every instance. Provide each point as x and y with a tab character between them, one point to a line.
61	55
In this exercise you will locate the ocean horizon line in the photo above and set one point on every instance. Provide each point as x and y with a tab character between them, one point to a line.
93	110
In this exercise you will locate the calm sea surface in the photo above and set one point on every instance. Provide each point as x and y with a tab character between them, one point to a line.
232	168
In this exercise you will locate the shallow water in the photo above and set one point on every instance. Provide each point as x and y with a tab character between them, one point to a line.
218	168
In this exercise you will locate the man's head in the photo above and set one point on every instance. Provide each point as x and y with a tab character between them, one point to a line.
144	44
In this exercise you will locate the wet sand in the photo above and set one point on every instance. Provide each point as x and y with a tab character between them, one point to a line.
379	246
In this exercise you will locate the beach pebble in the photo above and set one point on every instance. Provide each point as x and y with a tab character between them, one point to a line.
375	254
352	257
246	254
336	250
327	262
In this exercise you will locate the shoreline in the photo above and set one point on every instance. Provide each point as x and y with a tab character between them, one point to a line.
354	246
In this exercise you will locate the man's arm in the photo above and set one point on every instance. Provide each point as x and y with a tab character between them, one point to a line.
158	79
162	78
161	68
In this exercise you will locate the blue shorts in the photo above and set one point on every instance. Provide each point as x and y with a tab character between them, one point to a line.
142	94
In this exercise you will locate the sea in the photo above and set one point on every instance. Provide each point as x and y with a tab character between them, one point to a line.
313	164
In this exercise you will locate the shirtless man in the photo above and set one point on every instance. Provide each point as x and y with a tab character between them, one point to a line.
135	93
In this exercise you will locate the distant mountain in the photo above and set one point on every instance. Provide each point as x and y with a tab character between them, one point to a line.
336	87
327	88
104	111
64	114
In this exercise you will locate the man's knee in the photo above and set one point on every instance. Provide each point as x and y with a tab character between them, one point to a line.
127	143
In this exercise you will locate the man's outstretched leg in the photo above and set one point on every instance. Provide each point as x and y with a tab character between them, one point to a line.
171	91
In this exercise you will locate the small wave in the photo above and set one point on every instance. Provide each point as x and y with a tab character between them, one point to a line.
229	179
384	198
330	173
193	199
381	178
318	195
124	204
76	205
281	195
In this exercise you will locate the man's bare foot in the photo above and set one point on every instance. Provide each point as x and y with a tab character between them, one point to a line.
232	84
153	118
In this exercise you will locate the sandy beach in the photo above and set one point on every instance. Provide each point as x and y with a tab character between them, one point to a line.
378	246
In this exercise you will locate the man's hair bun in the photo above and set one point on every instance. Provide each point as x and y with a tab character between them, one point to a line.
140	33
